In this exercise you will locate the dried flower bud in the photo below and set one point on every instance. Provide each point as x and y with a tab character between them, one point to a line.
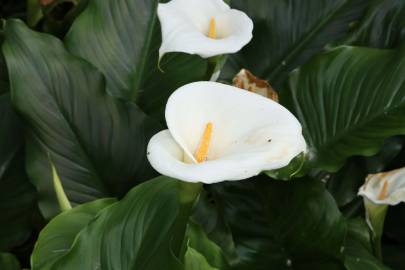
246	80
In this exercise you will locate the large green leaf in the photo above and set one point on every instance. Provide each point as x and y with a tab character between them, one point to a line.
358	248
97	143
289	32
58	236
121	38
277	224
17	195
138	232
382	27
348	101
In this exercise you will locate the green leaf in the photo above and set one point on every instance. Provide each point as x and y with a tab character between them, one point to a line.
383	26
196	261
209	213
34	12
349	100
358	249
56	239
97	143
202	249
293	169
288	33
17	195
279	224
138	232
399	160
9	262
122	38
344	185
390	151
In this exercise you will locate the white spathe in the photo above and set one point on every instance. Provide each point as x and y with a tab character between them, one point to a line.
386	188
185	26
250	134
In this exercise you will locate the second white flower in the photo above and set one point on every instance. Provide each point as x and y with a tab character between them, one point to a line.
204	27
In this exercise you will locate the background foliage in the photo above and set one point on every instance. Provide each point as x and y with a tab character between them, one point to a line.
80	88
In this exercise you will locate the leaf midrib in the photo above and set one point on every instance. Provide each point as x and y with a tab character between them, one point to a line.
270	73
355	128
134	91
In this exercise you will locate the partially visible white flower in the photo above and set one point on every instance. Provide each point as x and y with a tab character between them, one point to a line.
218	133
386	188
379	192
204	27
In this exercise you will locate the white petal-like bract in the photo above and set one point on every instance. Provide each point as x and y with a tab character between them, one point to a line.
385	188
185	25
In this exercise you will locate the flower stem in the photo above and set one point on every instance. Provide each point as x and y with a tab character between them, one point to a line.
188	195
375	217
215	64
189	192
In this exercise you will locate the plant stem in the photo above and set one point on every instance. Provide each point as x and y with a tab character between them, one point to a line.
189	192
215	64
188	195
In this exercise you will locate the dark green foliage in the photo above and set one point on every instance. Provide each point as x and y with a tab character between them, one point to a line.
88	98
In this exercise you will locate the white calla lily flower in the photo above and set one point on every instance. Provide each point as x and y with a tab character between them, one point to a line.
219	132
386	188
204	27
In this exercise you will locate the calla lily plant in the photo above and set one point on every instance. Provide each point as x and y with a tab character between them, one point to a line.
204	27
218	132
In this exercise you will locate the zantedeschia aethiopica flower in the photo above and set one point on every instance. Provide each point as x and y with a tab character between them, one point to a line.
385	188
219	132
204	27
